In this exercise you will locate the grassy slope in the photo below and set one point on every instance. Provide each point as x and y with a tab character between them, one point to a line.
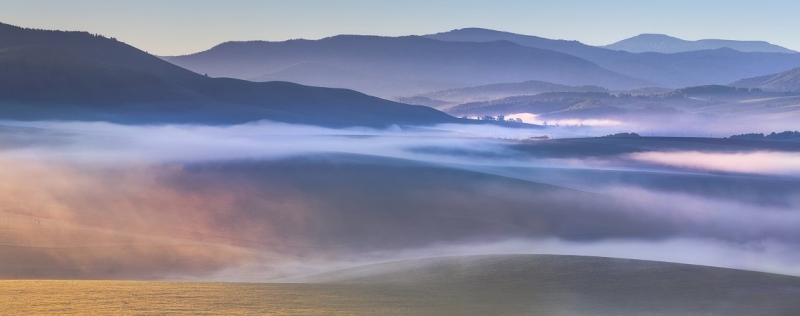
480	285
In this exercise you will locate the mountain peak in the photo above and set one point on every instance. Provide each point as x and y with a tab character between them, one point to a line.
475	30
655	37
476	34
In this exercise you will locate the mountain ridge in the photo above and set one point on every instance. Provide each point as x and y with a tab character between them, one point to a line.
413	64
56	75
694	68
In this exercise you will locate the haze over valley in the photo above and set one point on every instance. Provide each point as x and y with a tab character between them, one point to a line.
469	171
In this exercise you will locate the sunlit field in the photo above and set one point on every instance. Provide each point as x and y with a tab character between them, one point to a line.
164	298
461	285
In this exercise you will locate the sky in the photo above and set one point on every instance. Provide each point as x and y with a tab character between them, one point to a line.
179	27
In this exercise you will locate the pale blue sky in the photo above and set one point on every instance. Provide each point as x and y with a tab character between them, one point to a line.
169	27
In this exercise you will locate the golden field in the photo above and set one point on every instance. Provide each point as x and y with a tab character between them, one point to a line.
178	298
461	285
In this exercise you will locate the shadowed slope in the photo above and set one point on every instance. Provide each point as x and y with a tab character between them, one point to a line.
53	75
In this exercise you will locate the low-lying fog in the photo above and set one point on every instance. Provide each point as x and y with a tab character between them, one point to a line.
261	201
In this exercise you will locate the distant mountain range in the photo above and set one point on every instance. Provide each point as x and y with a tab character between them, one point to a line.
406	66
784	81
660	43
717	66
54	75
395	66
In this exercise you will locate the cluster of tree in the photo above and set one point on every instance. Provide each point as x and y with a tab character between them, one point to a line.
623	135
709	89
783	136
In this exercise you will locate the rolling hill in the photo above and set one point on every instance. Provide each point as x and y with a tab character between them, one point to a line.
784	81
660	43
55	75
716	66
468	285
547	284
394	66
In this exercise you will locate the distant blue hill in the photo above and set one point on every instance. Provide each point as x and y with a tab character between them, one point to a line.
396	66
694	68
660	43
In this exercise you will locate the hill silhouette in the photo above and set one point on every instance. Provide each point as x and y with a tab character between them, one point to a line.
55	75
105	51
